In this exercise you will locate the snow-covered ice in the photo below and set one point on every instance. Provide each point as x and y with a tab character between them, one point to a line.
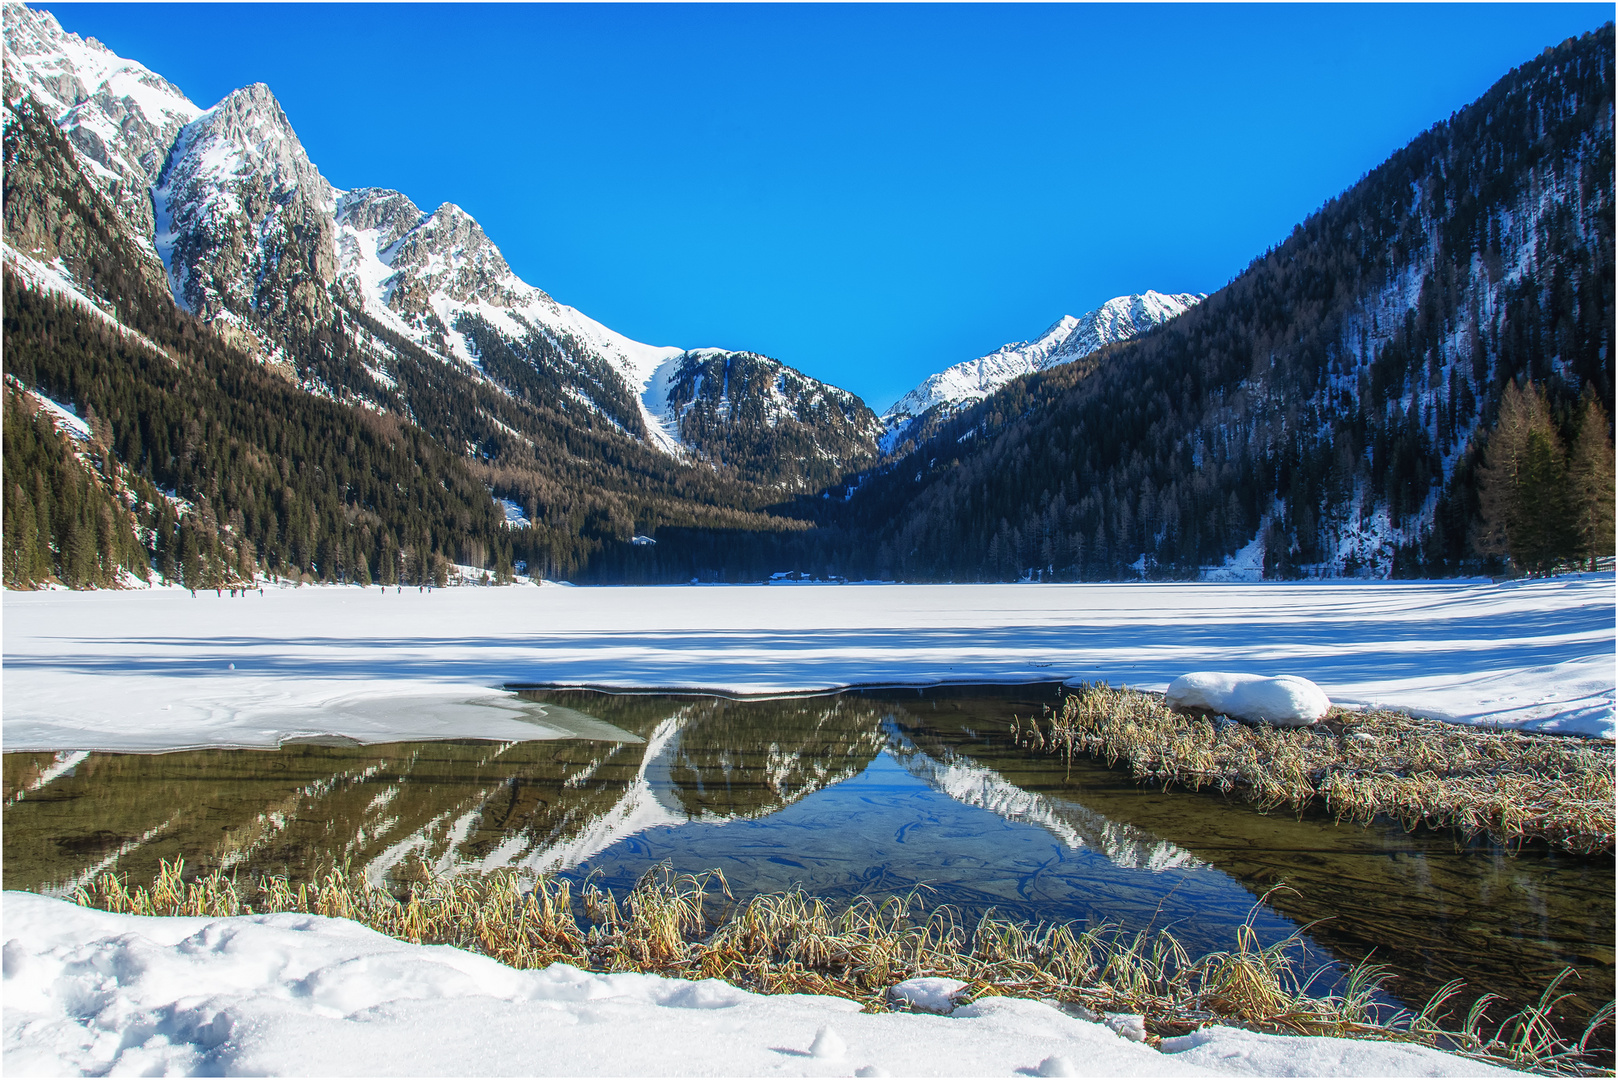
95	993
1282	700
150	670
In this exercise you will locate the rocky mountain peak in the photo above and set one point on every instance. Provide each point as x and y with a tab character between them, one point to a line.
1064	341
248	134
450	254
390	213
243	218
119	116
1120	319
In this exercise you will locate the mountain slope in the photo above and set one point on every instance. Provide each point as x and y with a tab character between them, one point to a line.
761	418
1325	411
1065	341
260	474
362	299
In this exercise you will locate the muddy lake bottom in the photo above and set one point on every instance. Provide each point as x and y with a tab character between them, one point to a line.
873	792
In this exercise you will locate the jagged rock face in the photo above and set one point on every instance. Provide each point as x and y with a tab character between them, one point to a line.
245	220
54	214
390	213
120	117
444	255
450	254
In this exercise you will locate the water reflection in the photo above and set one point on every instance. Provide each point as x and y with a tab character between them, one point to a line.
875	792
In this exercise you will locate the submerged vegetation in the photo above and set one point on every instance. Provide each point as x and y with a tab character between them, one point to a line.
1511	786
690	926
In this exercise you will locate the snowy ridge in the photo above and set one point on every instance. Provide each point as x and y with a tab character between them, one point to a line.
420	273
1066	340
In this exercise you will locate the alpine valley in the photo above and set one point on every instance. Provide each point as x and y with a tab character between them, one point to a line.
219	366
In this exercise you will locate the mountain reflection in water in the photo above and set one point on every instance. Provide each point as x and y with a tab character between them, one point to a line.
876	792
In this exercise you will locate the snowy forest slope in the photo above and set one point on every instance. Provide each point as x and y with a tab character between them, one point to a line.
1327	410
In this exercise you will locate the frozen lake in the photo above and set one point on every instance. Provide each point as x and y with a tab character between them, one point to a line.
161	669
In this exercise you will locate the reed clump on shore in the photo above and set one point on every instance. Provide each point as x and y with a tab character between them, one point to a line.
689	926
1511	786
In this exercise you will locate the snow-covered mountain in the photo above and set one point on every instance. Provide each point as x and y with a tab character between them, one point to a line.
1066	340
256	241
244	220
430	276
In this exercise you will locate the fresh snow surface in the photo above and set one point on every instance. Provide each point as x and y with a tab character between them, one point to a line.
151	670
516	517
87	992
1246	564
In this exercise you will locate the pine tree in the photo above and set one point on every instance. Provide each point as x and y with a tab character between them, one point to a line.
1590	474
1522	410
1541	536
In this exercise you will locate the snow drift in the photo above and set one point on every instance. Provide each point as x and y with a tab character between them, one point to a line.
95	993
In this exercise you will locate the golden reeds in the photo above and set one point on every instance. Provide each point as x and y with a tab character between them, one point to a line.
1357	765
692	927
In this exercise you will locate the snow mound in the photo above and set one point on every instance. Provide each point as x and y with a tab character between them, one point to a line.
932	995
1283	701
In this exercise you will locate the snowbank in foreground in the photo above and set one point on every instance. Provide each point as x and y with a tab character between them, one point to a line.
89	992
162	669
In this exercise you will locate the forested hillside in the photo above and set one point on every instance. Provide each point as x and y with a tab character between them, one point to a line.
1329	408
754	416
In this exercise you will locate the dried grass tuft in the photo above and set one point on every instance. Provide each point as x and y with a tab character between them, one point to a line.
690	926
1508	785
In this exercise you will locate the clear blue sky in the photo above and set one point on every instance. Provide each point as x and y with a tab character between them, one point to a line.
868	192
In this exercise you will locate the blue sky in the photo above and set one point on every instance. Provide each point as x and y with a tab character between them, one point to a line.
868	192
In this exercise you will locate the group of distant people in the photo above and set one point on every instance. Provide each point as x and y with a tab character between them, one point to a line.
243	590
